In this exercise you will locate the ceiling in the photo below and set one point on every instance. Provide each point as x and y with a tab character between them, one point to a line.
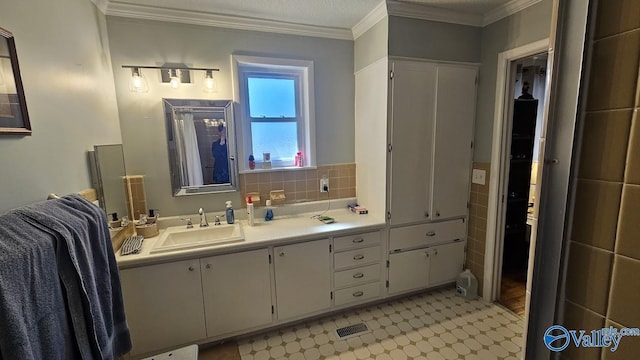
335	16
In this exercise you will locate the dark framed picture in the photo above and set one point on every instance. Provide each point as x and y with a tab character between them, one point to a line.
14	118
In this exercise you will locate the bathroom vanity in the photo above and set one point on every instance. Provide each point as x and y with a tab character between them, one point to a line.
285	270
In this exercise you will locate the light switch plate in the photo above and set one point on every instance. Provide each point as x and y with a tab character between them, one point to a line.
478	176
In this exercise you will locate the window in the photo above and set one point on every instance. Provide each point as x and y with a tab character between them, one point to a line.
276	106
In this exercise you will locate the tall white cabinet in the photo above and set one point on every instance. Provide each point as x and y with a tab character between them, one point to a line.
431	119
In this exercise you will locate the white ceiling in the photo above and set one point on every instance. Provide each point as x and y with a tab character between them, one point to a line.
334	18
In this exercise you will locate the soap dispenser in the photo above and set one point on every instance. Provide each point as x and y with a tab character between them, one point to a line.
229	212
268	215
115	222
249	211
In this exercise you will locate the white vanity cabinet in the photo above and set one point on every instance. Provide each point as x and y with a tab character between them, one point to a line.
237	291
431	122
302	278
163	304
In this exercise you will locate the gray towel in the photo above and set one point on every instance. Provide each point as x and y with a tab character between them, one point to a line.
88	271
33	320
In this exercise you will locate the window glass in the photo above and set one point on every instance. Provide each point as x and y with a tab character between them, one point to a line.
278	138
271	97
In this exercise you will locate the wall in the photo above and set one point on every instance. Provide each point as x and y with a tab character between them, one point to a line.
604	256
372	45
433	40
477	230
142	42
527	26
68	83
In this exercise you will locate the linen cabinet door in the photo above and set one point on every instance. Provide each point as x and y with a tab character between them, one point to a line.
408	270
412	119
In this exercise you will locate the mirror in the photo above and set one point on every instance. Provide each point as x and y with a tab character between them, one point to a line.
108	172
202	146
14	118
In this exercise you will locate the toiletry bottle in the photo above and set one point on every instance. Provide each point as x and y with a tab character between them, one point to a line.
249	211
230	215
153	216
115	222
268	215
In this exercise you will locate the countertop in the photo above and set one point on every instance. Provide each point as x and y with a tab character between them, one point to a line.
281	230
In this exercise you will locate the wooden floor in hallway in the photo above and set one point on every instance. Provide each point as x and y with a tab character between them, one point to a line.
513	291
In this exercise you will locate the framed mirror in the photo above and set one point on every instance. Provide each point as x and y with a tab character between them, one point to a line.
108	172
202	146
14	118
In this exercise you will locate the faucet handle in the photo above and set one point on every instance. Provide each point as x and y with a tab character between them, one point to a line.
189	223
217	220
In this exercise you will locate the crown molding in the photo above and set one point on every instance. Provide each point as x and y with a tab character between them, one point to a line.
224	21
373	17
101	5
507	9
425	12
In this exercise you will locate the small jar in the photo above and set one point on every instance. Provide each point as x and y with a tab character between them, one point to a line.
252	162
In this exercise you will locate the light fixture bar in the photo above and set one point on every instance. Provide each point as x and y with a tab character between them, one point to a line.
168	67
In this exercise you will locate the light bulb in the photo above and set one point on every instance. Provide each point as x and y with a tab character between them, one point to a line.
138	83
209	82
175	78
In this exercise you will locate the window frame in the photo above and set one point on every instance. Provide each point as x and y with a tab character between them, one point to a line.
301	71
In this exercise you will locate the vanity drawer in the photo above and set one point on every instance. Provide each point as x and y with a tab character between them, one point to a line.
357	293
356	257
358	240
356	276
416	236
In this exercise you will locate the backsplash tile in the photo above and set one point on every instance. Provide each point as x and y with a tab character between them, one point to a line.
301	185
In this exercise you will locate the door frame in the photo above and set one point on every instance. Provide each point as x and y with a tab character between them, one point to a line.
499	153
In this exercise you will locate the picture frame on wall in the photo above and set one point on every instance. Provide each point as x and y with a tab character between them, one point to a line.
14	118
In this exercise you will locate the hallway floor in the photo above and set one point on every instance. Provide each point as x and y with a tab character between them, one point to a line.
513	294
437	325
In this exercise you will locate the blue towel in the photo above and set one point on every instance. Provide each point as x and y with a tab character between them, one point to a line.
88	271
33	322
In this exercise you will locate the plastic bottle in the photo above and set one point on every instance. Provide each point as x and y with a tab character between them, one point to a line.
249	211
230	215
467	285
268	215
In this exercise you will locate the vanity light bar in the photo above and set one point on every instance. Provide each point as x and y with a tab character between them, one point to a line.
168	68
175	75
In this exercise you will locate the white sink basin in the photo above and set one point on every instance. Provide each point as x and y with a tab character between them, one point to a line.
181	238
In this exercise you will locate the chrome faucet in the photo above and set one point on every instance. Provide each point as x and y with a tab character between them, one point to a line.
203	218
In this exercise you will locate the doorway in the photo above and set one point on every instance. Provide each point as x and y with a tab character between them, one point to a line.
524	124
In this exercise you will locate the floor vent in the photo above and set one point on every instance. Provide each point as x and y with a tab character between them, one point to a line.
352	330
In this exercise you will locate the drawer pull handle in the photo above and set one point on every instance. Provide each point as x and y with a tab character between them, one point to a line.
358	275
191	268
431	233
358	257
358	294
357	241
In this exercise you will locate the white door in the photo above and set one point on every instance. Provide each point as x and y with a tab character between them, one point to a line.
412	117
303	278
163	304
455	117
237	291
446	263
409	270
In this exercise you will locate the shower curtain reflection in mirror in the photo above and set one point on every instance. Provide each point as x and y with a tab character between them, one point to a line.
192	166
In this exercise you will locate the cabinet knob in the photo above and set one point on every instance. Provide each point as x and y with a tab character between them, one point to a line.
358	275
208	266
426	254
431	233
435	252
281	253
358	257
426	214
357	241
437	213
358	294
191	268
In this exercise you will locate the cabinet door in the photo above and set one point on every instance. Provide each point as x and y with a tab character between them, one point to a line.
303	278
456	94
237	291
412	119
446	263
163	304
409	270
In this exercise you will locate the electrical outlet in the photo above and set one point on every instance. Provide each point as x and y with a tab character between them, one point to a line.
478	176
324	184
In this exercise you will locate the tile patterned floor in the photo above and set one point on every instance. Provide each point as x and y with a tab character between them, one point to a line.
437	325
